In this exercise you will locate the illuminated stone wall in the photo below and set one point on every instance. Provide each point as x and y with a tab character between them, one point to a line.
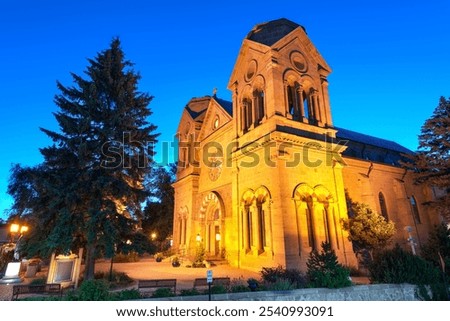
262	179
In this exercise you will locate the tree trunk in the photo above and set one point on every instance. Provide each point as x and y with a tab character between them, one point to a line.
89	266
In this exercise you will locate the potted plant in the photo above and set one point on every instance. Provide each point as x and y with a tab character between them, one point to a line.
176	261
158	257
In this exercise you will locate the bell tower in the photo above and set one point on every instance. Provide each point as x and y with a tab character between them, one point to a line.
279	72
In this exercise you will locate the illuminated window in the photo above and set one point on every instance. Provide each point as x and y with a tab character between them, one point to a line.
383	206
415	209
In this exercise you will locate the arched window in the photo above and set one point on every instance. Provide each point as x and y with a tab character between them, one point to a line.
383	206
262	241
310	225
295	101
247	114
415	209
258	96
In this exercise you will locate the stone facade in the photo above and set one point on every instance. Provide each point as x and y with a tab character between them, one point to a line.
261	180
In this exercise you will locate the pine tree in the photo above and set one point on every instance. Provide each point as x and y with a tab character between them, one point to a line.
89	190
432	161
324	270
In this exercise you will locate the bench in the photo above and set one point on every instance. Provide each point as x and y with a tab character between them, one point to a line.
157	283
50	288
202	282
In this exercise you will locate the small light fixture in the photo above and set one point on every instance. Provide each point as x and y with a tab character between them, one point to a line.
198	238
14	228
218	237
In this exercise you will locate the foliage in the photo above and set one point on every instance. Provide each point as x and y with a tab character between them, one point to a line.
367	229
281	285
38	281
273	275
88	192
6	256
189	292
92	290
431	163
159	255
158	214
199	256
97	290
129	294
217	289
163	293
118	279
398	266
324	270
438	244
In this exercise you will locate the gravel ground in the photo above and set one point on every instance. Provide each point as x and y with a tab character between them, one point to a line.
5	292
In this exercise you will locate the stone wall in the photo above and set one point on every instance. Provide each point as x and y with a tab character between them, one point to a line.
374	292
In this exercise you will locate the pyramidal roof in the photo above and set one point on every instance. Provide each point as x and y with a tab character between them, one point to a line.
270	32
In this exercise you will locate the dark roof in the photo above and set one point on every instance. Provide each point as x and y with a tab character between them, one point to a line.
226	105
197	106
346	134
270	32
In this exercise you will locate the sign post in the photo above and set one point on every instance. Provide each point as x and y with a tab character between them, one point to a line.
209	280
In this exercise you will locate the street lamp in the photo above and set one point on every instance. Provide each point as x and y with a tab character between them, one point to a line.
14	230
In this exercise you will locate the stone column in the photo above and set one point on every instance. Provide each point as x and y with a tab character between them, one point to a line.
300	103
315	104
183	231
326	102
315	224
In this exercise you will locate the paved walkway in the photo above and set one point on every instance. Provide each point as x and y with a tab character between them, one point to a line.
148	268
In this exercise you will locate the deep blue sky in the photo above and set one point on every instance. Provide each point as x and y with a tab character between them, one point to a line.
390	59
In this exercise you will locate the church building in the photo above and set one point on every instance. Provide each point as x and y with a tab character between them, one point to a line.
263	180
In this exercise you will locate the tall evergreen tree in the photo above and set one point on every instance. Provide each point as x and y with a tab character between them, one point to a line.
432	161
89	190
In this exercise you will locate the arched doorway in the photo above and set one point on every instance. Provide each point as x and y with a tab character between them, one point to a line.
212	213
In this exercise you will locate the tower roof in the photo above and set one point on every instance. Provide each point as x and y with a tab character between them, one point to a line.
270	32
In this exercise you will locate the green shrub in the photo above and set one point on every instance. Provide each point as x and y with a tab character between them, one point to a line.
218	289
238	285
189	292
398	266
437	247
130	294
281	285
118	279
295	277
239	288
39	281
93	290
163	293
324	270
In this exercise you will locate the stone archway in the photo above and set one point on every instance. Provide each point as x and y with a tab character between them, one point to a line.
212	231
